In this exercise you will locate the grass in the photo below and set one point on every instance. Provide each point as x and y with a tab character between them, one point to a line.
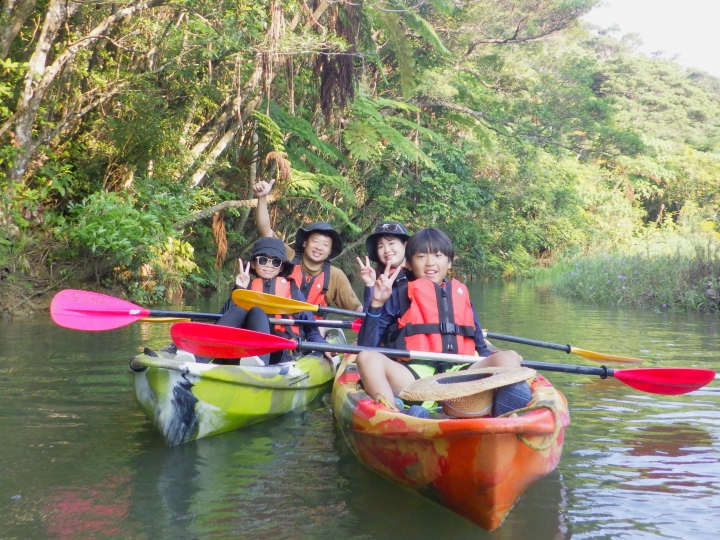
686	279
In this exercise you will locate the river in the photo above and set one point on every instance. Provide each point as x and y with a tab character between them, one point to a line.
79	459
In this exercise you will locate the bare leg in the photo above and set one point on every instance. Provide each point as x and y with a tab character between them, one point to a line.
381	375
500	358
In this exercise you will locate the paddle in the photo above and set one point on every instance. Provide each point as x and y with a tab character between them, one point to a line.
278	305
272	304
225	342
351	325
85	310
588	355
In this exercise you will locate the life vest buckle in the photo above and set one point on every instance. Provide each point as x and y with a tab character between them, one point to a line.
448	328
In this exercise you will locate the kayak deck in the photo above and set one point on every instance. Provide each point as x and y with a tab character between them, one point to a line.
476	467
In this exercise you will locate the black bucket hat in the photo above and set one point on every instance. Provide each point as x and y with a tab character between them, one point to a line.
386	228
319	227
273	247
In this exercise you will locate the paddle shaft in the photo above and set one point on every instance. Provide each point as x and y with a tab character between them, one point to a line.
338	311
601	371
533	342
273	320
226	342
184	314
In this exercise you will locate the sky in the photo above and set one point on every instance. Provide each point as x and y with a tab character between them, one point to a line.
686	28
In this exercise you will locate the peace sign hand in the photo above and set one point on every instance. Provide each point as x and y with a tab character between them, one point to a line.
383	286
367	272
243	277
262	188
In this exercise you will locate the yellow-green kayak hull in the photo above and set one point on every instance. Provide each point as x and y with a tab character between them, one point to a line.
187	400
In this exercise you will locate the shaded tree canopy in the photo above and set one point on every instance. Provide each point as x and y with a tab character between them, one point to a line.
131	132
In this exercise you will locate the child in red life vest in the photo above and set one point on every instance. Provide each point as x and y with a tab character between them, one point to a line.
385	246
268	271
428	313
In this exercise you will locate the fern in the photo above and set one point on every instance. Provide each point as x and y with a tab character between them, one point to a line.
362	141
401	144
429	133
426	30
318	164
305	184
365	138
395	32
270	130
301	128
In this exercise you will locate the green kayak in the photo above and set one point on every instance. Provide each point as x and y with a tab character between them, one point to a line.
187	400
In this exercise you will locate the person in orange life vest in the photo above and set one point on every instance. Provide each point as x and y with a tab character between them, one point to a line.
268	271
385	245
394	312
314	248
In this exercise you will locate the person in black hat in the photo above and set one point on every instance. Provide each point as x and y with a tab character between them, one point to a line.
386	248
315	246
268	271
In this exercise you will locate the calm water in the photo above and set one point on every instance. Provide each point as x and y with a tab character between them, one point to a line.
79	460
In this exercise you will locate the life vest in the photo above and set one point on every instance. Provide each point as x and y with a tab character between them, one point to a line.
313	287
285	288
434	318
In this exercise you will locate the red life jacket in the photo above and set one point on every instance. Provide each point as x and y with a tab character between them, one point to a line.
435	318
313	287
285	288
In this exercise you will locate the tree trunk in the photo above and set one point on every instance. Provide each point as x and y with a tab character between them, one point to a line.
14	15
39	77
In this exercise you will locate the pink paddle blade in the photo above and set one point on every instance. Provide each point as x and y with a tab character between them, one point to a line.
225	342
85	310
666	381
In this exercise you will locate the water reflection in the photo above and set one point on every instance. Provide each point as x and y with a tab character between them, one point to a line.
80	460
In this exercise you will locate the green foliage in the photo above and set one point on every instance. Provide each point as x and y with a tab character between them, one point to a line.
108	224
529	139
675	282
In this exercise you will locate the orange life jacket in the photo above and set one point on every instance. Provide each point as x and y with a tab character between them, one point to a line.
313	287
435	318
285	288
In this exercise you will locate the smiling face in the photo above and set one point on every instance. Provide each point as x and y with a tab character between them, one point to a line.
317	247
266	272
433	266
391	249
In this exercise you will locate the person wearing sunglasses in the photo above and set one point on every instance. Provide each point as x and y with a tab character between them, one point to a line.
268	271
315	246
385	246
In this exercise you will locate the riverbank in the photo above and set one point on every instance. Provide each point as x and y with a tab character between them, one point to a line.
667	282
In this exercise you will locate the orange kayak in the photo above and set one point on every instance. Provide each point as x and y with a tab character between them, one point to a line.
476	467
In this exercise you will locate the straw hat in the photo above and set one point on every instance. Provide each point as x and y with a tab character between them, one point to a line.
466	394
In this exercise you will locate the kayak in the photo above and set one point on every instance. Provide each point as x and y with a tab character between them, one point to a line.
476	467
188	400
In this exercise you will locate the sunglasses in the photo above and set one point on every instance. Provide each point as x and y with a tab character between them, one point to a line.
390	228
268	261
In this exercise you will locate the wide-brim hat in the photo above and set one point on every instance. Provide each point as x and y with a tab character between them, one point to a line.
386	228
466	394
273	247
319	227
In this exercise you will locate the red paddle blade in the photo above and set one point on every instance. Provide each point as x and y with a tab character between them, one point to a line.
85	310
356	324
667	381
225	342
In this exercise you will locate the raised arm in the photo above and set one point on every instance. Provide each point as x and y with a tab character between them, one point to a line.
262	217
